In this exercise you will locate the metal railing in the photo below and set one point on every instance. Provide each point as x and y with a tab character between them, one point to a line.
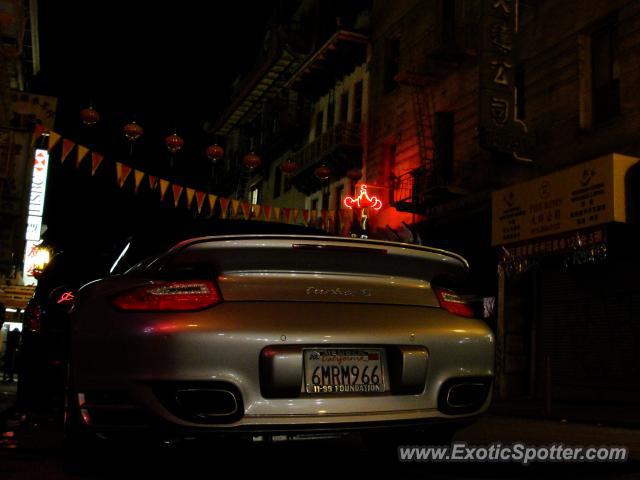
341	135
411	187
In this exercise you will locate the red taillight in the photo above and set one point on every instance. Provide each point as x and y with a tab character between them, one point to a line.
32	317
453	303
169	297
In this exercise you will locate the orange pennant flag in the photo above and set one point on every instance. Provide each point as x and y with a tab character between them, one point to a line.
137	179
224	207
245	209
256	211
67	146
54	138
276	214
177	192
305	216
200	196
96	160
164	186
296	214
190	194
122	173
234	207
212	203
82	152
267	212
153	181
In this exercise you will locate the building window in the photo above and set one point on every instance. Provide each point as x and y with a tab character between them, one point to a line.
357	103
519	84
344	107
319	121
448	9
443	143
254	194
277	182
605	73
391	63
331	111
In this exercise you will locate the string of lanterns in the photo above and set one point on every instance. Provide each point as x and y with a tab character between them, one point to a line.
174	143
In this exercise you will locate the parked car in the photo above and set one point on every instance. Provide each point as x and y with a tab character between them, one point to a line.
45	336
284	335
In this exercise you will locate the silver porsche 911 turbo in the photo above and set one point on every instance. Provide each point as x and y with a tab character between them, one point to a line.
277	337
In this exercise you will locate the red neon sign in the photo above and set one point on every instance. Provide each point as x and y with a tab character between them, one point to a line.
66	297
363	200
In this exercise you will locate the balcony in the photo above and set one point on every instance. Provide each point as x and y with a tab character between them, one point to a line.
421	188
339	148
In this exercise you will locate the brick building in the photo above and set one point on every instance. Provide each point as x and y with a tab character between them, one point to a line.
469	97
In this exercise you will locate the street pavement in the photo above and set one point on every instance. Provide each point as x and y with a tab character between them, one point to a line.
31	447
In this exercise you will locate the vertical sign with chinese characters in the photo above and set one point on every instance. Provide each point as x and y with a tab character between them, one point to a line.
36	209
501	129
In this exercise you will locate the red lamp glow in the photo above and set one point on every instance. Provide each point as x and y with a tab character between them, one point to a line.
215	152
89	116
132	131
174	143
363	200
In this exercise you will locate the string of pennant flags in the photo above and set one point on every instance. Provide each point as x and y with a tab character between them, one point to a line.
205	203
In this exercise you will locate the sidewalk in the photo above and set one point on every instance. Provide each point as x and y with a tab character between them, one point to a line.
626	417
508	429
8	392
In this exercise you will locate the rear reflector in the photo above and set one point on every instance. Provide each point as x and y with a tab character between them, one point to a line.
453	303
169	297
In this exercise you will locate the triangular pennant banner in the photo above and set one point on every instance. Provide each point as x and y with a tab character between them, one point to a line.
164	186
153	181
137	178
245	209
286	213
256	210
190	194
82	152
122	173
212	203
305	216
67	146
200	196
177	192
224	207
296	214
234	207
54	138
96	160
276	214
267	212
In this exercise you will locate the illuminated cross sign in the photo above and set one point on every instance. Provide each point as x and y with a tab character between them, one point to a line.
363	200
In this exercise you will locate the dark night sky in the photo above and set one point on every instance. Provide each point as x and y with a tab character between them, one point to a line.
169	64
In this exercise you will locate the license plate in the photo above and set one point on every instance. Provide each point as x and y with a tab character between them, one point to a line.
344	370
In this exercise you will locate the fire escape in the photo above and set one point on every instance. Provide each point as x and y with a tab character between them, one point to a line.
429	183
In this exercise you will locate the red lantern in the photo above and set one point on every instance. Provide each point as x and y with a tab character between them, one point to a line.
251	161
288	167
132	131
354	174
215	152
322	172
174	143
89	116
